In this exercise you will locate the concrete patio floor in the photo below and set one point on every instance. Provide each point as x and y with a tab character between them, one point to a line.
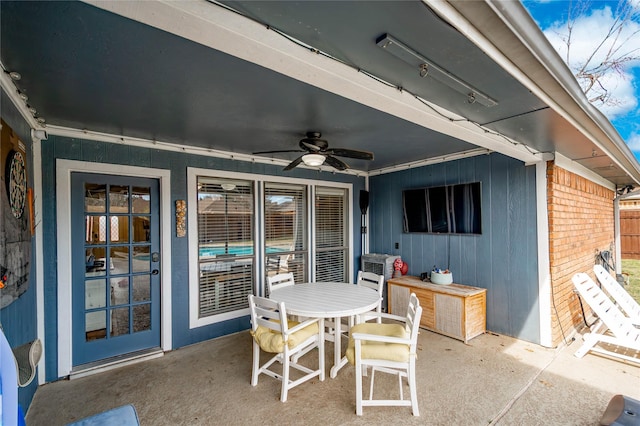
491	380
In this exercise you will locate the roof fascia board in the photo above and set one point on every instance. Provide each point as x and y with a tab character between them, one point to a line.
231	33
577	168
520	45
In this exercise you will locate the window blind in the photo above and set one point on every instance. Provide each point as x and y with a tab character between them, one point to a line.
226	249
285	225
331	234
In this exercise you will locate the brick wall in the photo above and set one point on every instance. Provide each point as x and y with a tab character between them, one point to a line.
581	223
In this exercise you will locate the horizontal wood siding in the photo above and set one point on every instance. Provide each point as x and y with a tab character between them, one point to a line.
503	259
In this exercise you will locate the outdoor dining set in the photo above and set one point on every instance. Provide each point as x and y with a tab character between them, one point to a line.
296	319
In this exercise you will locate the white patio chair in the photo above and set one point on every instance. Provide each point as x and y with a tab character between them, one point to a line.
388	348
375	282
277	281
619	329
365	279
273	333
626	302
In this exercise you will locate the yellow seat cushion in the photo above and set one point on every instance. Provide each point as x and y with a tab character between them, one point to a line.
379	350
272	341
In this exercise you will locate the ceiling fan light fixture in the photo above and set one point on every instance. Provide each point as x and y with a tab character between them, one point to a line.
228	186
313	160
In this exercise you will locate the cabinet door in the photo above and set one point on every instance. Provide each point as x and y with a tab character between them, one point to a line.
449	315
399	299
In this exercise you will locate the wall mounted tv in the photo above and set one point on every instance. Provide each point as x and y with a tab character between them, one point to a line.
450	209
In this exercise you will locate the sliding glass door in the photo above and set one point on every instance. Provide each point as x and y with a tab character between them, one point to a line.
244	227
286	228
331	234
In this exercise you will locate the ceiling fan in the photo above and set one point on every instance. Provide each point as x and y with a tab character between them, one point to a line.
317	151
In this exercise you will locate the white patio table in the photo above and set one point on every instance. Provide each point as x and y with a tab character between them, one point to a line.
328	300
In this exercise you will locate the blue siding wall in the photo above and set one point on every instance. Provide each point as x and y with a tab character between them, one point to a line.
503	259
19	318
177	163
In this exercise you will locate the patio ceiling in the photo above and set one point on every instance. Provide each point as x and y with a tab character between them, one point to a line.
200	75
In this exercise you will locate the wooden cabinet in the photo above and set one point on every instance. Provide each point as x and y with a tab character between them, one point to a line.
455	310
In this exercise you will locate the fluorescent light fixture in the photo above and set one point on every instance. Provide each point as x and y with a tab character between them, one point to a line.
426	67
313	160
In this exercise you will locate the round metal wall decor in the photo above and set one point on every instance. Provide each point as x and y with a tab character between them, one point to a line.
16	180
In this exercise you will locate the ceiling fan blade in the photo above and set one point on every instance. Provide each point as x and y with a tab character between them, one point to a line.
276	152
335	163
293	164
351	153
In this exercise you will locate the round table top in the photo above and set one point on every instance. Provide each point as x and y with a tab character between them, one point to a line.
327	299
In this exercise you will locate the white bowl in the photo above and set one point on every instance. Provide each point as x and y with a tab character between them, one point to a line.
442	279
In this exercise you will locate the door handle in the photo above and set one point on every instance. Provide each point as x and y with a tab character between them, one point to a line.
155	272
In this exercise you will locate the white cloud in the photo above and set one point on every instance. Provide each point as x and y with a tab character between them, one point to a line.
634	142
621	88
589	30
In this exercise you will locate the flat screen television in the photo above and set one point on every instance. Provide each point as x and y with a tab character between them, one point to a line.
449	209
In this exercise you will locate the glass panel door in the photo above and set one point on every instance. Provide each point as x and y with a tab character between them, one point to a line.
116	279
285	225
331	234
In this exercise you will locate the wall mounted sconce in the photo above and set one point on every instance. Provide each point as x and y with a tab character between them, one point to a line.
426	67
181	218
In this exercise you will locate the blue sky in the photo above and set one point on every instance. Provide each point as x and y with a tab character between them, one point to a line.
590	25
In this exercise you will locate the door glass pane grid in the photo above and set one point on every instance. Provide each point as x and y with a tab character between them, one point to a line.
141	317
120	323
226	244
95	198
285	224
141	228
118	199
141	290
112	260
95	229
140	199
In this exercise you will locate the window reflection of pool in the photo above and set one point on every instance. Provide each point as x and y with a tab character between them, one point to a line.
218	251
232	250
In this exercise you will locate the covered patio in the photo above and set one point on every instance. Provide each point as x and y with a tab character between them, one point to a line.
204	112
493	379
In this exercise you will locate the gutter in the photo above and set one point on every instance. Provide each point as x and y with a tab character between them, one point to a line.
505	31
518	18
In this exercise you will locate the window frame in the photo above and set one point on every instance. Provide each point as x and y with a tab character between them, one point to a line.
258	223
